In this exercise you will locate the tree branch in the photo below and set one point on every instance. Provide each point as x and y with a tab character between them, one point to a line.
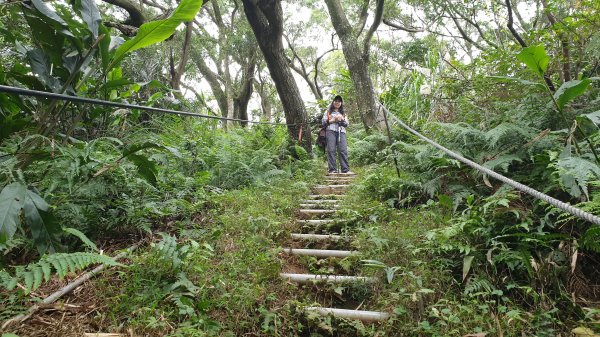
136	18
374	26
364	14
476	25
513	31
127	30
464	34
406	29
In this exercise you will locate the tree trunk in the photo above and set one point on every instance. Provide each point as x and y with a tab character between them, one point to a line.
213	82
241	100
266	19
358	66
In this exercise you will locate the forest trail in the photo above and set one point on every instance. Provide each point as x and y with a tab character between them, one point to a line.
322	236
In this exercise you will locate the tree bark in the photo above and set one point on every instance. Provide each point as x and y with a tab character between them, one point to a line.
136	17
240	101
358	62
266	19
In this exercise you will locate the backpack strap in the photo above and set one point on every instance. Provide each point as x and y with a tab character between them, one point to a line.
328	115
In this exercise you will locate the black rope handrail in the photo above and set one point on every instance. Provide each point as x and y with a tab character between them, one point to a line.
521	187
36	93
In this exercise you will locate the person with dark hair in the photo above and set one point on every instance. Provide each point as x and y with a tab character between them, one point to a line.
336	122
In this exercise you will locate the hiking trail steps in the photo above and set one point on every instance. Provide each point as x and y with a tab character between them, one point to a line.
315	215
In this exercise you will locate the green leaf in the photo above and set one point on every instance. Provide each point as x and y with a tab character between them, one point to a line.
81	237
46	269
592	116
42	225
48	12
40	65
570	90
116	83
157	31
12	199
47	38
131	149
28	282
104	46
146	167
90	15
535	58
467	261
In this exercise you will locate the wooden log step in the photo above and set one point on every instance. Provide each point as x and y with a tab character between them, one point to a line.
314	222
337	181
325	196
361	315
311	212
308	278
316	237
321	206
332	186
341	174
321	201
321	252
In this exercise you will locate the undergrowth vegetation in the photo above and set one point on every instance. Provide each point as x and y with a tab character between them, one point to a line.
514	265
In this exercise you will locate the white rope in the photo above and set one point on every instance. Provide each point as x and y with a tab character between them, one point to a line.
524	188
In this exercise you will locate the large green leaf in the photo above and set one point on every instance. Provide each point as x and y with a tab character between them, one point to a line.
570	90
40	65
12	199
42	225
47	38
535	58
146	167
49	13
157	31
90	15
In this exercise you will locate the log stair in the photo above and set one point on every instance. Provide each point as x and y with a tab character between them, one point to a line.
315	215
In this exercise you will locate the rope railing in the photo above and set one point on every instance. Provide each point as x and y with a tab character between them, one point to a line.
524	188
36	93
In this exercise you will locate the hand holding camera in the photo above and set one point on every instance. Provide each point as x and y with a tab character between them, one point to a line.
337	118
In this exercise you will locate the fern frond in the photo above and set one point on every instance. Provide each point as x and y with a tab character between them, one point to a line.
35	274
464	132
502	162
591	239
477	285
508	133
574	174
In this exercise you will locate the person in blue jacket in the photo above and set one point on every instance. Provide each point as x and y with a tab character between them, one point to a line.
336	121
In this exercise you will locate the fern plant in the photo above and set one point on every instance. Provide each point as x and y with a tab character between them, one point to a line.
33	275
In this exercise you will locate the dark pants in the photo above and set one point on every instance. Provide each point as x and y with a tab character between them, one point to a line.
335	139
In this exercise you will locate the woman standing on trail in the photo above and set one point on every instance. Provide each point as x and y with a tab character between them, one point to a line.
336	122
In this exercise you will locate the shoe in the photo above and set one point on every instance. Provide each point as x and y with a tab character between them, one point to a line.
332	172
348	172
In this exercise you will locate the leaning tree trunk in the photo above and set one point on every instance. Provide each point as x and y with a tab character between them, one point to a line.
358	62
266	19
